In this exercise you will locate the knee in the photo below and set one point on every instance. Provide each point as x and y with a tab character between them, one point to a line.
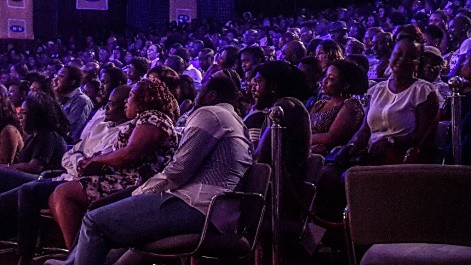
27	190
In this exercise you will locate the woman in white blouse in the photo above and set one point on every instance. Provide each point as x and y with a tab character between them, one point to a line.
401	109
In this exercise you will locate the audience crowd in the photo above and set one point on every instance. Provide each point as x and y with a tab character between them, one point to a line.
150	126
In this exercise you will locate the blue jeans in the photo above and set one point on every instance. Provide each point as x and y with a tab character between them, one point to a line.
132	222
20	211
11	178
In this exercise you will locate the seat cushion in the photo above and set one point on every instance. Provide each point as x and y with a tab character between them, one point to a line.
417	254
226	245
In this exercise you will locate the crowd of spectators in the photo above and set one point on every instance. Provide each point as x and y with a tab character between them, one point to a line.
181	111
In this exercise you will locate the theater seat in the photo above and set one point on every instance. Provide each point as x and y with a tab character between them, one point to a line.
227	246
409	214
417	254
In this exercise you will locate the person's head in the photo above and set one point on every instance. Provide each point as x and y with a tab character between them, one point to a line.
357	31
18	71
312	69
228	56
307	34
90	71
53	68
251	57
110	78
18	90
408	31
114	109
168	76
42	113
250	37
152	52
432	64
103	55
91	88
89	56
4	77
137	68
41	84
275	80
195	47
176	63
368	39
344	79
219	89
151	95
7	111
433	35
327	52
439	19
206	58
405	58
358	59
187	88
184	54
354	46
339	32
372	21
382	44
459	29
128	57
420	20
68	78
293	52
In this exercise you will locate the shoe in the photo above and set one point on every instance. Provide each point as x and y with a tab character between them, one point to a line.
54	262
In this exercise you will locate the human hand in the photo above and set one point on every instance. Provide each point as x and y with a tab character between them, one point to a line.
378	148
82	165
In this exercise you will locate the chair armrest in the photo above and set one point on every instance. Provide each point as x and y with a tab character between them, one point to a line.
50	173
238	197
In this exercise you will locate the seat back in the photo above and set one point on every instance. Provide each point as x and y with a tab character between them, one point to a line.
315	163
409	204
251	212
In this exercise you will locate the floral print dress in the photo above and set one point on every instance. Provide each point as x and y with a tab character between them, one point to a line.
97	187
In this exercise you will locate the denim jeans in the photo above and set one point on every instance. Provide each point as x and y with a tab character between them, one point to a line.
11	178
133	222
20	211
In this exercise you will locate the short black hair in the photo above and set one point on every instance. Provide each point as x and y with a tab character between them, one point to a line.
226	90
141	65
75	74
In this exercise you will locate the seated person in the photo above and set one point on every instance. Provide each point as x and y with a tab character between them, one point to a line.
334	121
401	110
212	157
431	67
76	105
11	140
144	147
30	198
46	125
281	84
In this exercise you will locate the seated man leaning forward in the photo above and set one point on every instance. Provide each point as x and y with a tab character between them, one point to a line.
213	156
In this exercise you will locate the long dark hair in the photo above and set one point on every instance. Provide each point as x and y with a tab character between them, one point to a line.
43	113
7	111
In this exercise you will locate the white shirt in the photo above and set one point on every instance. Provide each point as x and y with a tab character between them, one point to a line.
195	74
98	137
393	114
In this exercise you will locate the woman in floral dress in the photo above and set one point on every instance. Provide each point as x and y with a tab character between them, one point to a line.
142	149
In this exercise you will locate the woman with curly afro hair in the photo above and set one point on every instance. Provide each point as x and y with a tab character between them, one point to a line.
143	149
